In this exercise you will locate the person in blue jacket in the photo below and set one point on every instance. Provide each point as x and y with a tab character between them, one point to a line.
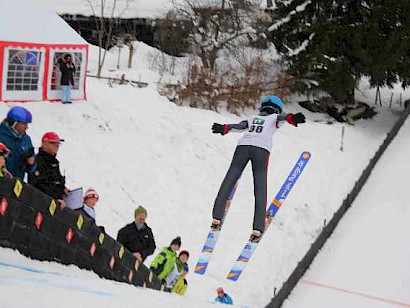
222	297
13	135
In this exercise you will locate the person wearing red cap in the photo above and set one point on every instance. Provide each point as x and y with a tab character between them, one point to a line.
47	176
176	280
222	297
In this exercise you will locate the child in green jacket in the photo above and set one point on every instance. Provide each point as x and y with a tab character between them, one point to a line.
164	262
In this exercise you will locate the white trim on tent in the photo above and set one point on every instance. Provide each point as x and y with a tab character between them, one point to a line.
19	94
77	92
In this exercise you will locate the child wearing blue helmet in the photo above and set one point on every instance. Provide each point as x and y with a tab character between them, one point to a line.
255	146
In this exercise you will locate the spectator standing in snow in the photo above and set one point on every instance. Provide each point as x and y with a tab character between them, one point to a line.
222	297
13	135
165	261
255	146
4	152
67	69
137	237
47	176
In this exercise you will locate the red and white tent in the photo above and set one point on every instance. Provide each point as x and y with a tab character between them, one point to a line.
32	40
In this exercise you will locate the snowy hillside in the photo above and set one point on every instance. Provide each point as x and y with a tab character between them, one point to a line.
44	284
135	147
360	244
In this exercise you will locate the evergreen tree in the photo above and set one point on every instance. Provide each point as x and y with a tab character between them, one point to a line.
330	44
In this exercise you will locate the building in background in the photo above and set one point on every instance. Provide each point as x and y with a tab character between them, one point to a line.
32	39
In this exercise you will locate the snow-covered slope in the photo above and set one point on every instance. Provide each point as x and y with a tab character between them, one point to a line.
365	262
30	283
135	147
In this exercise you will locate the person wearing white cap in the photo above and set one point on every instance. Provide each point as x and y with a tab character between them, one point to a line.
47	176
90	201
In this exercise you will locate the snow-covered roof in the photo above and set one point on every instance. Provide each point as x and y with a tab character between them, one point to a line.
124	8
31	21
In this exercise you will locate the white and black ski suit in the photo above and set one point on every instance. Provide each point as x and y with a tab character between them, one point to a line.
255	146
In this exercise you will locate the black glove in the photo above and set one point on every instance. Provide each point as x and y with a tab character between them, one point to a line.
295	119
27	154
219	129
298	118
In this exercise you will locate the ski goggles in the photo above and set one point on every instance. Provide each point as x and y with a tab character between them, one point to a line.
273	107
92	196
276	108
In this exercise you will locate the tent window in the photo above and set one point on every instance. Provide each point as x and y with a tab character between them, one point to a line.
23	68
56	75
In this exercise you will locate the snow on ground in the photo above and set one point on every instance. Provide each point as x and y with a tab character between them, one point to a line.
135	147
149	65
365	262
30	283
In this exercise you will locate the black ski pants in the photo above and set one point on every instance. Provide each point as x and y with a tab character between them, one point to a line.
259	158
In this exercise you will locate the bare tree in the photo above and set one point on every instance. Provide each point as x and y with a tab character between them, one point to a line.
104	12
216	25
129	39
172	40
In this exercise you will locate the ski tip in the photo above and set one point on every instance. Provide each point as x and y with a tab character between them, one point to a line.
234	275
200	269
306	155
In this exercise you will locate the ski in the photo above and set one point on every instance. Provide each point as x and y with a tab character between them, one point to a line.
212	238
274	207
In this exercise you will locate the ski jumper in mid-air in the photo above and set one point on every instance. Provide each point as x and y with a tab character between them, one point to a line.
255	146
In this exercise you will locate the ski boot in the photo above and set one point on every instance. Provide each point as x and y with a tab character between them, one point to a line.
255	236
216	224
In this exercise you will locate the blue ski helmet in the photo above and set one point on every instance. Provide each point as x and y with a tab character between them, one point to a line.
271	102
19	114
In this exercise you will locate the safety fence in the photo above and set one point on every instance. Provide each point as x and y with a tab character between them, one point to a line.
327	231
34	223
